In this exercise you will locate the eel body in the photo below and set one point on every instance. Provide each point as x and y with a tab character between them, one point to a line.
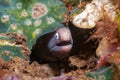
62	43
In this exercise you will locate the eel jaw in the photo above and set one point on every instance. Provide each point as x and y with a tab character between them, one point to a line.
61	49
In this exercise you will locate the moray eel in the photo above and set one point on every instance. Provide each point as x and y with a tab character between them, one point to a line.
52	46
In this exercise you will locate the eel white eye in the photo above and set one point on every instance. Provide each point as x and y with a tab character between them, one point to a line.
56	36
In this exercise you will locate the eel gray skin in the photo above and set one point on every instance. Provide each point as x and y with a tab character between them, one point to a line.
52	46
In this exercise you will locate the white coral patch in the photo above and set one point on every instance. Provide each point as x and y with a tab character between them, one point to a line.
24	13
28	22
5	18
13	26
20	32
50	20
94	12
39	10
37	32
37	23
6	43
19	5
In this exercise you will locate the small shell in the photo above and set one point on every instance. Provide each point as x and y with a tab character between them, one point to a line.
103	47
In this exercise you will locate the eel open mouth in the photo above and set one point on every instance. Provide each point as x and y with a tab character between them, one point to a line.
64	43
61	49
